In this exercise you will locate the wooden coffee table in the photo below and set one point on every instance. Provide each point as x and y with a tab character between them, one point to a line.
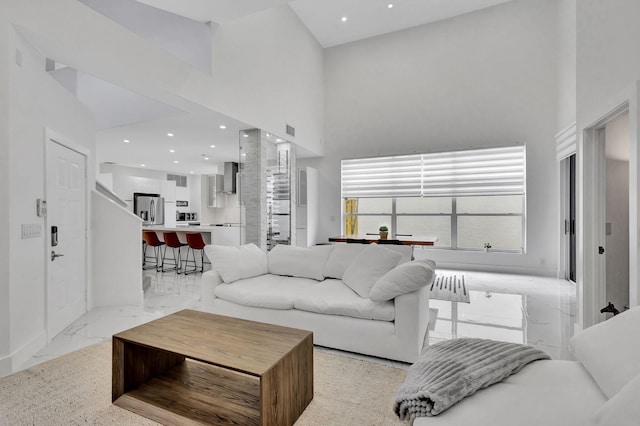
194	367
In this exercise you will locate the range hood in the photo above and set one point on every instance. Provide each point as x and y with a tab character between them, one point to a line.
230	173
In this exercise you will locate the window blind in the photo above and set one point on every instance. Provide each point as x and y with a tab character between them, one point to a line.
493	171
399	176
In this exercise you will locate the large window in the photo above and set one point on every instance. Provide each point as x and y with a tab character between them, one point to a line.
465	198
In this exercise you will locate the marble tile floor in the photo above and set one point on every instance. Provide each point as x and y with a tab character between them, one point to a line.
534	310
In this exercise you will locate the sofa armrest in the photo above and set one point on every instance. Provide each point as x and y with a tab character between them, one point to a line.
210	280
412	316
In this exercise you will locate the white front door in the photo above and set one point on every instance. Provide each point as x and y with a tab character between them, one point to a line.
66	257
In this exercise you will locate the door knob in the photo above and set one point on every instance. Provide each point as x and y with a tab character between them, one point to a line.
54	255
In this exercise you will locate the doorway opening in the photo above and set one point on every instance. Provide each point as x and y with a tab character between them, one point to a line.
607	231
616	199
568	202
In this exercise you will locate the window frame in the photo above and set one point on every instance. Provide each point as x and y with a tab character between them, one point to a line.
393	220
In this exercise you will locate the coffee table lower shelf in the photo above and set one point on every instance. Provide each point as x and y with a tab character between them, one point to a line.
197	393
193	367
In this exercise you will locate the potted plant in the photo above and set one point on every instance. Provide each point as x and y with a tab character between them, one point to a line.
384	232
487	246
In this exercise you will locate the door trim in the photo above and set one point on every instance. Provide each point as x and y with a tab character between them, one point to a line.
51	136
592	215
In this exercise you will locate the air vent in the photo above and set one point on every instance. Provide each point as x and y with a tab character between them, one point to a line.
291	131
180	180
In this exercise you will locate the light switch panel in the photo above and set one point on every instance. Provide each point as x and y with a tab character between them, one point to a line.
31	230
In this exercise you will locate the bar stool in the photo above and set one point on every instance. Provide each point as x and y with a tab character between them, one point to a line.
171	240
150	239
195	242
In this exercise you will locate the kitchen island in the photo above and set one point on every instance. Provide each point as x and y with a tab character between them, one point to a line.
222	235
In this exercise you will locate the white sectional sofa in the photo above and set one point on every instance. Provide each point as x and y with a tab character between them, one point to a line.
600	388
369	299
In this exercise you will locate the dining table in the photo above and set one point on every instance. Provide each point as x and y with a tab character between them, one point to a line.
406	240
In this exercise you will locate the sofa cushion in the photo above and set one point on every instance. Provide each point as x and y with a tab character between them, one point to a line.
558	393
622	409
266	291
609	350
372	263
234	263
404	278
333	297
305	262
405	251
340	258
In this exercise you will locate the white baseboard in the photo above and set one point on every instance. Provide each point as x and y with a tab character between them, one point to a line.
5	366
23	354
13	362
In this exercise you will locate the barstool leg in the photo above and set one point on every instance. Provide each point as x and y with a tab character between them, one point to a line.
176	260
188	270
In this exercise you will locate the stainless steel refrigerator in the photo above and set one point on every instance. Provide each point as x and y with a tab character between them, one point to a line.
150	207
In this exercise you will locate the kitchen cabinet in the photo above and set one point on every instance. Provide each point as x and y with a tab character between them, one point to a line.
227	235
147	185
215	188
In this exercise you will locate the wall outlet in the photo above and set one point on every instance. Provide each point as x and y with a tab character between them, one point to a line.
31	230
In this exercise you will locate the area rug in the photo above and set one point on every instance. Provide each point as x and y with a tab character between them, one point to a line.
76	389
449	287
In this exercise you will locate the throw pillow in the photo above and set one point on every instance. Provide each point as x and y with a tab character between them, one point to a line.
235	263
372	263
304	262
621	410
403	279
340	258
609	351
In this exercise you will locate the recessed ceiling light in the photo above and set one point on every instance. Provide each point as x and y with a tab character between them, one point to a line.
213	146
170	135
344	19
390	5
222	126
244	154
245	135
126	141
278	140
191	172
206	158
175	161
172	150
143	165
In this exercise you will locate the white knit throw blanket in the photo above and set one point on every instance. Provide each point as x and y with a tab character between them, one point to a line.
449	371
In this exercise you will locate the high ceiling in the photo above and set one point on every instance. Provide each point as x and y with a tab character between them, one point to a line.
365	18
145	123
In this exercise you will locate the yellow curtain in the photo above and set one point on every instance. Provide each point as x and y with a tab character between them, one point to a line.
351	222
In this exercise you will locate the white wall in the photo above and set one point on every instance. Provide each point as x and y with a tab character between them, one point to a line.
484	79
566	63
5	225
267	71
116	255
607	59
187	39
36	101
